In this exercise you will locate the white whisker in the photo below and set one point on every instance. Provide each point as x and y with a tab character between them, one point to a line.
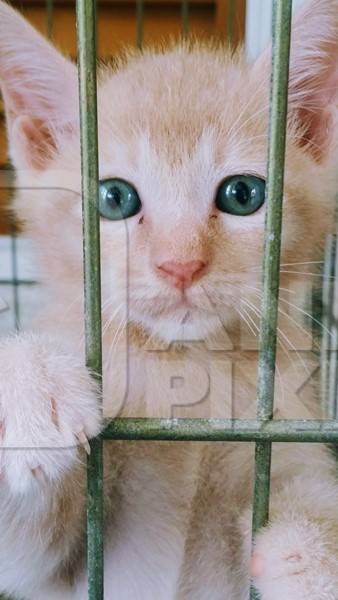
304	312
245	318
279	341
308	274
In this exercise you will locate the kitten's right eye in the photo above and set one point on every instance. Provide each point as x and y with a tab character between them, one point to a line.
118	200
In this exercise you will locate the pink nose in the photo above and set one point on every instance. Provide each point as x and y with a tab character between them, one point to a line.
182	275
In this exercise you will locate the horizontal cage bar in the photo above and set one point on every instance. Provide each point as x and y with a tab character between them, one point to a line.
222	430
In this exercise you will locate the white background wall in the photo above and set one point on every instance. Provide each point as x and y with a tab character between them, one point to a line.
258	25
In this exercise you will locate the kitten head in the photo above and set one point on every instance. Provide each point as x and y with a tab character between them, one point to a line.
183	144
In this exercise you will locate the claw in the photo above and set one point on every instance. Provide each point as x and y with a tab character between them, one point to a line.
81	436
38	473
54	412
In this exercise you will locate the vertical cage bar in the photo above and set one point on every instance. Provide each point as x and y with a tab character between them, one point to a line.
139	23
185	19
333	370
86	36
328	346
15	275
50	17
282	14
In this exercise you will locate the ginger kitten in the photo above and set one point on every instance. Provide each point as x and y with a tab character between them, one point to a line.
183	146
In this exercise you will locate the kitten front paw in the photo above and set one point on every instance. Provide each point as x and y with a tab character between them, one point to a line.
48	406
296	561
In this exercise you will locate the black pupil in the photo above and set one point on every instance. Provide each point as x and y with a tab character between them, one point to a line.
241	192
114	196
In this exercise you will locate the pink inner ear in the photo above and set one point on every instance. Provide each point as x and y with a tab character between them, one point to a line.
39	88
316	131
33	142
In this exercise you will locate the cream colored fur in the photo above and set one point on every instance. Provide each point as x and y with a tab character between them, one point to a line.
174	122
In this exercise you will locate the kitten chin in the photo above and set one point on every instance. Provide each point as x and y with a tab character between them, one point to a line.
185	326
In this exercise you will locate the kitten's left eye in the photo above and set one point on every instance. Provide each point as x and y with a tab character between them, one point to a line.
118	200
241	195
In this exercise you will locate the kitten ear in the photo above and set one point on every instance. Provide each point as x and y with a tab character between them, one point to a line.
39	88
313	88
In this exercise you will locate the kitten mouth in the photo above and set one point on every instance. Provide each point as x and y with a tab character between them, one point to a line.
180	308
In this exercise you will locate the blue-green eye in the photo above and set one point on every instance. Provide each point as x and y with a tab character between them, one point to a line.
118	200
241	195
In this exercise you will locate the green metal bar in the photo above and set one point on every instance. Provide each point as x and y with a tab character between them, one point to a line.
14	268
18	282
14	253
50	17
282	15
333	355
185	19
273	227
231	21
86	36
95	550
328	346
222	430
139	23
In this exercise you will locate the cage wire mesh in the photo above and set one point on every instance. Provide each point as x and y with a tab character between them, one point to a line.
16	282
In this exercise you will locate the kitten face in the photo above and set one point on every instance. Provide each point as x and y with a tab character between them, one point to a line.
175	125
176	160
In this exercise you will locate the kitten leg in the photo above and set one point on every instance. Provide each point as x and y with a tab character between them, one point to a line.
296	555
48	405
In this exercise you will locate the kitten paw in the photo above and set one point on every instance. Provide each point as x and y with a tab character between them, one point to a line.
296	560
48	407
